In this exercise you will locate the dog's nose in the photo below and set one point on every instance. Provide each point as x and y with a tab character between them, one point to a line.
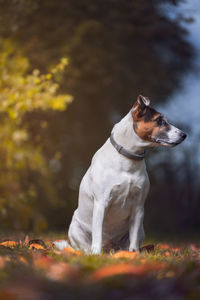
183	135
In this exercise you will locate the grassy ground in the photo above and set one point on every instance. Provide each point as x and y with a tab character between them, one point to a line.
34	269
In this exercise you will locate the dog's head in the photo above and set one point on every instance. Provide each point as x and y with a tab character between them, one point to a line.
153	127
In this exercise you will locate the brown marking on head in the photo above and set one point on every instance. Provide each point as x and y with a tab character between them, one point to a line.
146	120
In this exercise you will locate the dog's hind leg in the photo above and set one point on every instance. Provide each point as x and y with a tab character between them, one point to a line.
80	238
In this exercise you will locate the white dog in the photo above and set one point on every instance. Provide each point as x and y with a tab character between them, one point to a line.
113	191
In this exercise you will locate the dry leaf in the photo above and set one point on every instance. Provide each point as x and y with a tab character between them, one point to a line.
22	260
126	254
62	271
70	250
36	247
37	244
164	246
42	261
10	244
123	269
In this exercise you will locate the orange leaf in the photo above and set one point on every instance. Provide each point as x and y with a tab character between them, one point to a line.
36	247
124	269
10	244
37	244
62	271
164	246
127	254
70	250
43	262
22	260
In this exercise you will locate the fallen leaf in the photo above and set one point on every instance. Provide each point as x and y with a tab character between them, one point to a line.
22	260
124	269
37	241
36	247
163	246
42	262
62	271
9	244
70	250
126	254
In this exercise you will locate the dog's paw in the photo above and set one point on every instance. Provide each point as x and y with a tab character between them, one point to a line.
61	244
95	250
134	249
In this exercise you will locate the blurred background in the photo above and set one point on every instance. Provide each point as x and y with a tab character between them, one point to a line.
69	70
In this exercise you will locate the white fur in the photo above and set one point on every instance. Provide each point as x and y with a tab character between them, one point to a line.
61	244
112	196
173	134
143	100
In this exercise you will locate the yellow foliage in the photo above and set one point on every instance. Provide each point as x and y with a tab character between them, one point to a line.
22	92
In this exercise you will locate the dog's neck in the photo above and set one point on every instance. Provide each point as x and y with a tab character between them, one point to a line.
125	135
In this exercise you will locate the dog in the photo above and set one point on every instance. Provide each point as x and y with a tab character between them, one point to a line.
113	191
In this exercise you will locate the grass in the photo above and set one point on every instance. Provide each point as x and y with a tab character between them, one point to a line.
32	270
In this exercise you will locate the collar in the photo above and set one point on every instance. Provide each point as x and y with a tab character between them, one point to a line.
125	152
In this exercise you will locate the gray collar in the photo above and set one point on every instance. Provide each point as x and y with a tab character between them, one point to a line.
125	152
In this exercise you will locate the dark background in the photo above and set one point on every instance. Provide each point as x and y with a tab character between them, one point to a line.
117	49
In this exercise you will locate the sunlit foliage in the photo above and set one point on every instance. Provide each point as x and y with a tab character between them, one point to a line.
21	93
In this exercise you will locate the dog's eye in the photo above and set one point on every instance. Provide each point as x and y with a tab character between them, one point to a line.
160	121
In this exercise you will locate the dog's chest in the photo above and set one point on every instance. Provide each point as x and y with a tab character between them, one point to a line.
122	194
124	197
123	200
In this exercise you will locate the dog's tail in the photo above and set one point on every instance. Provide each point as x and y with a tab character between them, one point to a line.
61	244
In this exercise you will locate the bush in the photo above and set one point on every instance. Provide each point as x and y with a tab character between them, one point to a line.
23	168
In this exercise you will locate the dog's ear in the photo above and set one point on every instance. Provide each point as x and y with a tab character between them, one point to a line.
143	102
139	108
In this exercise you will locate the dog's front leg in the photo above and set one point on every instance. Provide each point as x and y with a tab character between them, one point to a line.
136	224
97	226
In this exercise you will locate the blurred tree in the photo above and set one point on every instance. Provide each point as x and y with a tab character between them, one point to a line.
23	168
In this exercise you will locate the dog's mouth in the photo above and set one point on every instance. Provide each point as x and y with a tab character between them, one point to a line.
167	143
164	140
